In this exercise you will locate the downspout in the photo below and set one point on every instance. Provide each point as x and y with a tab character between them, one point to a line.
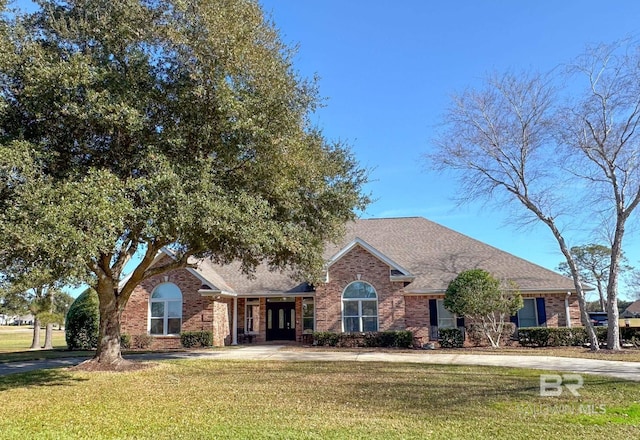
234	329
566	309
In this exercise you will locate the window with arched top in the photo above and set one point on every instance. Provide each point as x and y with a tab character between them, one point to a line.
165	310
359	308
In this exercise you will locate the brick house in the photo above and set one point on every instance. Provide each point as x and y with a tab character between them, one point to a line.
388	274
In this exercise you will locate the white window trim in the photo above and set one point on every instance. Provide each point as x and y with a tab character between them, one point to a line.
360	315
250	302
310	300
165	318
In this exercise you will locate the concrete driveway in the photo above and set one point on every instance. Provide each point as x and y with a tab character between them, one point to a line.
618	369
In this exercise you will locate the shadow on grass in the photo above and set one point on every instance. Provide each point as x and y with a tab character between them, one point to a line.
39	378
38	355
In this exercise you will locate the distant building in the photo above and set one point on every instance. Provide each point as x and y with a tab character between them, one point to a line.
633	311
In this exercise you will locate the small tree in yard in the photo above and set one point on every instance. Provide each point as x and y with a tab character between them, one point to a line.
477	295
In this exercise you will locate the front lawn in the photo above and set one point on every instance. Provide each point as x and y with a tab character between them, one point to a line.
256	400
19	337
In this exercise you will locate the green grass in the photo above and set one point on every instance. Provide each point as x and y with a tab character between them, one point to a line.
302	400
16	338
627	354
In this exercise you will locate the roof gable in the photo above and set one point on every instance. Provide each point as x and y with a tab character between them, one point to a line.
397	272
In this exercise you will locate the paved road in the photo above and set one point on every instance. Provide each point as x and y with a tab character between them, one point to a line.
619	369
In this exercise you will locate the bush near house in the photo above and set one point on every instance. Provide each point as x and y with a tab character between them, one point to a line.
196	339
451	337
391	338
82	322
564	336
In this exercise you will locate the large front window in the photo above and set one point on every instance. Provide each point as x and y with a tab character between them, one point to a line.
166	310
252	316
446	319
307	315
528	314
359	308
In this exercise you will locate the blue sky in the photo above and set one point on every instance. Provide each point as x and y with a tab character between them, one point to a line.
388	68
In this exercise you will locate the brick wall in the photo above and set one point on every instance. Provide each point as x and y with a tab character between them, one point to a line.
556	312
358	261
417	316
222	321
197	311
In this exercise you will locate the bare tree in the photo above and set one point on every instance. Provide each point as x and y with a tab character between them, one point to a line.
514	139
500	138
601	141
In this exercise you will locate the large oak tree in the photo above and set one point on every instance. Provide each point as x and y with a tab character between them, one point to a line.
131	125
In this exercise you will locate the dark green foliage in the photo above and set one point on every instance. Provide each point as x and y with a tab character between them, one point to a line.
478	295
561	336
196	339
390	339
475	334
325	339
83	321
534	336
114	113
125	341
451	337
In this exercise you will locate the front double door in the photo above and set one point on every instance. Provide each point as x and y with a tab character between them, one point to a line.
281	321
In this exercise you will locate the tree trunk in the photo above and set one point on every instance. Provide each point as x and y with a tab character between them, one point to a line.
582	302
613	330
603	299
108	352
48	337
35	342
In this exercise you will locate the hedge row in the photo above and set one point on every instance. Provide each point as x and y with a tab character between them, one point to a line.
574	336
399	338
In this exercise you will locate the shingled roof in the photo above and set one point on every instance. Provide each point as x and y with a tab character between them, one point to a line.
432	253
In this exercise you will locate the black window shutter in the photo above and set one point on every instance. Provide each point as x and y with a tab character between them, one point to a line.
514	319
542	312
433	312
460	321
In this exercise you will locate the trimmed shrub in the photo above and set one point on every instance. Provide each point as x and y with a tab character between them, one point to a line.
196	339
325	339
476	335
451	338
534	336
391	338
142	341
125	341
83	322
558	337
